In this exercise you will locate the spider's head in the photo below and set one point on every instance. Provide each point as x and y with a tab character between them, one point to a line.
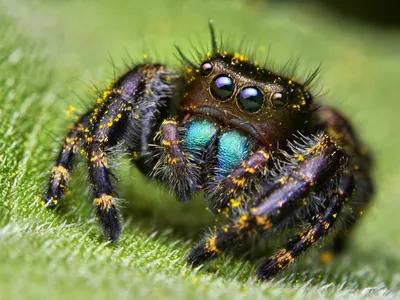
236	92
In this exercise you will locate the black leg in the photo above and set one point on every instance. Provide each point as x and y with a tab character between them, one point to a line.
60	173
174	166
135	99
129	110
230	190
319	227
360	165
282	200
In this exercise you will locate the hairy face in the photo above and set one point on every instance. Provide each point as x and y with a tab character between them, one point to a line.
238	93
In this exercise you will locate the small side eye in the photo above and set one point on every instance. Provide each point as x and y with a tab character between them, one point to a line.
222	87
278	99
250	99
206	68
308	97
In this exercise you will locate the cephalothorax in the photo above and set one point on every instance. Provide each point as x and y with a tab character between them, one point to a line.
253	140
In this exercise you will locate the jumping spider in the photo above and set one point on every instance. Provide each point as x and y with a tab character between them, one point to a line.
254	141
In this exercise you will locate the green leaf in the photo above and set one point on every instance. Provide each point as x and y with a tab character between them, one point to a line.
50	52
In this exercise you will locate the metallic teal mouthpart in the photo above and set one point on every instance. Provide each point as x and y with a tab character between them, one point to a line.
233	148
199	134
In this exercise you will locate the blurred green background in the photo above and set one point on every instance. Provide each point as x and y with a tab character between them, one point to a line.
50	54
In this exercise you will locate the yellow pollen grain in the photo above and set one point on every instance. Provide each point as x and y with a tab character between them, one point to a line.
325	225
169	122
60	170
250	170
211	245
242	223
326	257
283	180
106	94
299	156
235	202
70	111
172	161
263	222
170	143
104	202
283	256
239	182
266	155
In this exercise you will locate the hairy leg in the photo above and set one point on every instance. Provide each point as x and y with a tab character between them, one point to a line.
279	202
60	173
119	115
174	166
319	227
360	164
230	190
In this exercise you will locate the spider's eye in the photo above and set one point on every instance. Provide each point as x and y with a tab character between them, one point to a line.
308	97
206	68
222	87
278	99
250	99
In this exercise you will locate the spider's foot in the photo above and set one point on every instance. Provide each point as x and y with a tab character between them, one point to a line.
49	202
275	264
108	216
203	252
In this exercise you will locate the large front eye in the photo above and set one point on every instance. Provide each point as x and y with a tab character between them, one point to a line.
222	87
250	99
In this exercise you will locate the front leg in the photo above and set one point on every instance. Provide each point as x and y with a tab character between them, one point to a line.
319	227
174	165
281	201
230	190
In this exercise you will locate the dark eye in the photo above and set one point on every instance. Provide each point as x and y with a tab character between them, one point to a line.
206	68
308	97
278	99
222	87
250	99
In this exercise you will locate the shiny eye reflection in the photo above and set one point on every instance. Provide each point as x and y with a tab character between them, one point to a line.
206	68
308	97
222	87
278	99
250	99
